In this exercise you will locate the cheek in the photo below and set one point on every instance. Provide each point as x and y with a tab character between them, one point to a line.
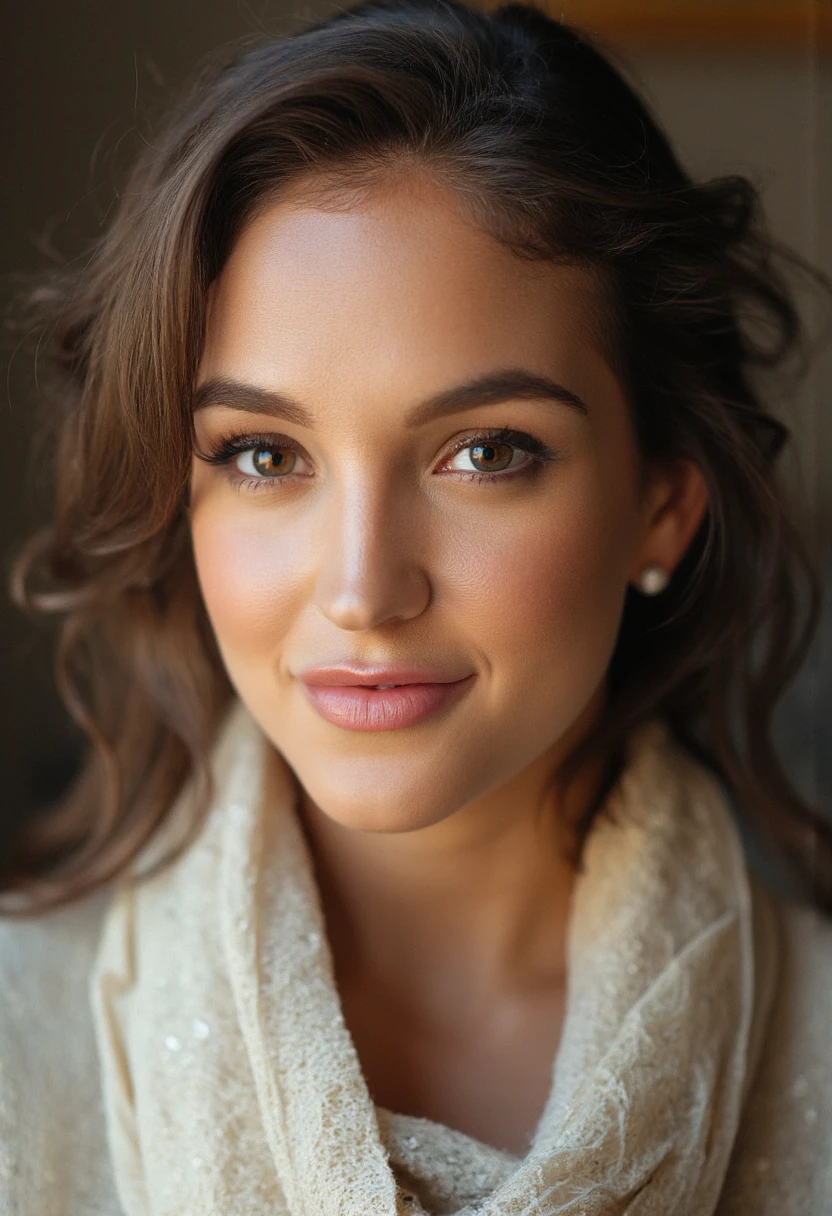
250	577
544	589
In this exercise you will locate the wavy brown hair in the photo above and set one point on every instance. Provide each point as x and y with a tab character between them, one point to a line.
553	153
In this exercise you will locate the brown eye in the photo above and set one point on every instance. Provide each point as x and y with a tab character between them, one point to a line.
491	457
267	462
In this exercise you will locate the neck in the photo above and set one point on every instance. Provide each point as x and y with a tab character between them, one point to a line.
474	904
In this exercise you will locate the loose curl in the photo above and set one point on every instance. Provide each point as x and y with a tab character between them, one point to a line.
544	142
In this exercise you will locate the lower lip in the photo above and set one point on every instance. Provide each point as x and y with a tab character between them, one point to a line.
360	708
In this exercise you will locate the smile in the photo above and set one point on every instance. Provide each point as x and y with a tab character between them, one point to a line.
383	707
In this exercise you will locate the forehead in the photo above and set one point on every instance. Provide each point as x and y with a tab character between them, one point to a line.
399	285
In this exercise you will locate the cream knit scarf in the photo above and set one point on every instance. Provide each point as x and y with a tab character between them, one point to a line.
232	1086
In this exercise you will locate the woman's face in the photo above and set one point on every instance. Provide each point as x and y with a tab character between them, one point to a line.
357	362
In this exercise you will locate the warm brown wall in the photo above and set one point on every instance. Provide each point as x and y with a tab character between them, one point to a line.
76	80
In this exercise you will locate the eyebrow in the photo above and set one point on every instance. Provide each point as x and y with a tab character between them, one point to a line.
492	388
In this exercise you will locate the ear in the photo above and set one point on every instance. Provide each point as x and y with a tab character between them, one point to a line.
674	507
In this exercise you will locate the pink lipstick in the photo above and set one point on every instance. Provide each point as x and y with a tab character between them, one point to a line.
350	696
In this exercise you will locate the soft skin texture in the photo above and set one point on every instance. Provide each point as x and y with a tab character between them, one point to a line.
439	857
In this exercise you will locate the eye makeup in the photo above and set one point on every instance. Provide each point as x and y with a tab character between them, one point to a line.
224	452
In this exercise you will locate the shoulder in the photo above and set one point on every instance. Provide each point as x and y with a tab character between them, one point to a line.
27	942
782	1161
44	963
50	1108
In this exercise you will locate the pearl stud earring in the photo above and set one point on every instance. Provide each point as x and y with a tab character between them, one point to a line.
652	580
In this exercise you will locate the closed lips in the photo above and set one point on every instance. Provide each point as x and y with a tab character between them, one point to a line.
391	707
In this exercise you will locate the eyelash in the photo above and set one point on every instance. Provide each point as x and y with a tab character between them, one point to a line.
223	451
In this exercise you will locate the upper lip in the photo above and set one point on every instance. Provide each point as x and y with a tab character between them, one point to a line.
356	673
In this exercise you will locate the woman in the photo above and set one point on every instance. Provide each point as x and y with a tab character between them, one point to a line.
427	593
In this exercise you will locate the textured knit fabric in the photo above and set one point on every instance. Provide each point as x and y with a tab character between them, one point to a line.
180	1050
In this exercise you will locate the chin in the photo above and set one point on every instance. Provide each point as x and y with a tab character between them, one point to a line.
360	821
377	802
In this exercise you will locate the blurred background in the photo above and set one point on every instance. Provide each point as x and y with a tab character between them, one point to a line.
740	85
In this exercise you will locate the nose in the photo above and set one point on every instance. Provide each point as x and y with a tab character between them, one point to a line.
371	569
